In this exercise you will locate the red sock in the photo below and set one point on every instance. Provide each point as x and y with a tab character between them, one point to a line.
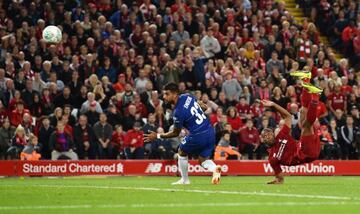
305	98
306	80
312	111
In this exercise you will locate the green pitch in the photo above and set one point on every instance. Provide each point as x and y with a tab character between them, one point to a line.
155	195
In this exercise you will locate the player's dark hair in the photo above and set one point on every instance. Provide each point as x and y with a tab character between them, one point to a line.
172	87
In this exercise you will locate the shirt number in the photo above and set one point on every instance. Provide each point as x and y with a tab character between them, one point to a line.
281	149
196	110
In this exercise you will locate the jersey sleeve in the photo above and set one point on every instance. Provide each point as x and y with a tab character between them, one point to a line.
178	120
275	164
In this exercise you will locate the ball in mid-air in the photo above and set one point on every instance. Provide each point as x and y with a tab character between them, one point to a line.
52	34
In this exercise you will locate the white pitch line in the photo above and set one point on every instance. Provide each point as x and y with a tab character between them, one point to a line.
286	195
172	205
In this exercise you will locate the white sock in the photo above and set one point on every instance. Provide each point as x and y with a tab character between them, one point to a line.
209	165
183	167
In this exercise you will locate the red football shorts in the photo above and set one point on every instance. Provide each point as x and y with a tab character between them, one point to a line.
310	148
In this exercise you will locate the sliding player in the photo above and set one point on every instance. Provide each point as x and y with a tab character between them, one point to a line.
284	150
188	113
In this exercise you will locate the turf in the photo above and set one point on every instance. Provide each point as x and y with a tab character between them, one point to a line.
156	195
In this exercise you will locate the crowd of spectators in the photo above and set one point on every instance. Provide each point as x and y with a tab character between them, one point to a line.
93	95
339	20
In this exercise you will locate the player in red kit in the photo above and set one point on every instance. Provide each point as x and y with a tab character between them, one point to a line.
284	150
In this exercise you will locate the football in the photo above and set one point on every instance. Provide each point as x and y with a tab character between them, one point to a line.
52	34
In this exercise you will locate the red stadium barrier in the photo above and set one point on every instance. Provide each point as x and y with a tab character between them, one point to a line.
160	167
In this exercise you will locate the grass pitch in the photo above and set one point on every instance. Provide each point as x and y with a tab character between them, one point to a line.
155	195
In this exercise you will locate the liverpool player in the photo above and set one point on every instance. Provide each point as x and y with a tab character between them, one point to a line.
284	150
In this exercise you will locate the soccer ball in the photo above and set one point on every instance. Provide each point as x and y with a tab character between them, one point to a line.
52	34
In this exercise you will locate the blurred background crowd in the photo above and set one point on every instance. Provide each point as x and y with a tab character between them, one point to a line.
93	95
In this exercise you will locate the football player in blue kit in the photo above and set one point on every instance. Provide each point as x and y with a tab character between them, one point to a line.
188	114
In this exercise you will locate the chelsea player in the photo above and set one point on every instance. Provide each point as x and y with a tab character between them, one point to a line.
188	113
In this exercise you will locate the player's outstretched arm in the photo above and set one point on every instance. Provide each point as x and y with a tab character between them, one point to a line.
279	178
283	112
153	135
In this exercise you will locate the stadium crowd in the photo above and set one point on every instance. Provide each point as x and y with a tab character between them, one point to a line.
93	95
340	21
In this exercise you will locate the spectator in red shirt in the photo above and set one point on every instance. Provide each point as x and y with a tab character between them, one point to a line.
179	6
18	113
347	35
243	108
337	100
250	140
134	143
345	88
216	116
256	109
119	86
140	107
4	114
234	120
118	140
14	100
356	42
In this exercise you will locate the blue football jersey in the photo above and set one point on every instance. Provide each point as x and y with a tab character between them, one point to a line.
188	114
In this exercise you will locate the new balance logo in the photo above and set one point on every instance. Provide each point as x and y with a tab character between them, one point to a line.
153	168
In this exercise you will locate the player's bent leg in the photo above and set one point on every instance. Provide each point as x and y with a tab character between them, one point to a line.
212	167
310	148
183	167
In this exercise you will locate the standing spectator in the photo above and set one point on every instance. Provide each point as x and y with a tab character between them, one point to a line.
18	113
347	141
171	72
38	84
141	81
231	87
103	133
61	145
331	149
337	100
28	93
234	120
44	134
107	70
117	141
84	139
243	108
274	62
64	98
180	34
250	141
6	134
210	45
134	142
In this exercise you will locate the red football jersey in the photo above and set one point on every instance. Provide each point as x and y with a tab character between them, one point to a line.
337	100
321	109
243	109
284	151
